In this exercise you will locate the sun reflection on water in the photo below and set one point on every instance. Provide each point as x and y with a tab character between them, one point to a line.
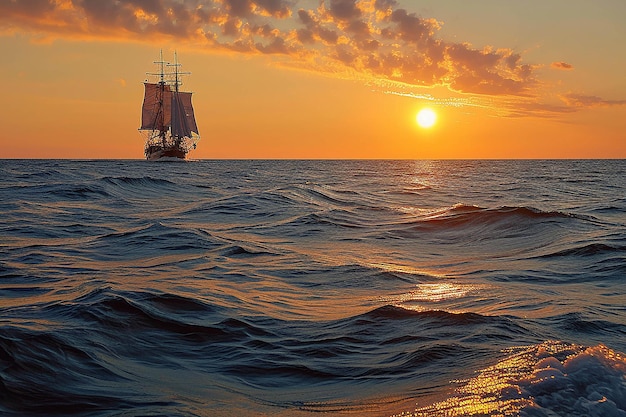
564	377
428	296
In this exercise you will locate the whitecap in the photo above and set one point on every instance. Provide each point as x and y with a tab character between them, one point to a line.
546	380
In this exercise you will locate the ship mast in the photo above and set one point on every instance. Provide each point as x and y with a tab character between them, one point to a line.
176	65
177	73
177	84
160	119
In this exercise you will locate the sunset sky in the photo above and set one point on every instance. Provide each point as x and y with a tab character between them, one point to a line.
320	78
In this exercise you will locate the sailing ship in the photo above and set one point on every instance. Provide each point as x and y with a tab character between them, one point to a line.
168	123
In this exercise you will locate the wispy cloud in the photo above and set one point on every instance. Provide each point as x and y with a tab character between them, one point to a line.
562	66
370	39
580	100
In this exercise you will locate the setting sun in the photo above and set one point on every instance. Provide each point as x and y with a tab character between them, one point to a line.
426	118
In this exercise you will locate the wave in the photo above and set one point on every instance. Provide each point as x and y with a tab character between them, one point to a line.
461	214
238	251
108	331
138	181
140	314
59	191
50	187
503	227
318	222
591	249
235	206
549	379
584	261
166	332
47	174
440	317
145	240
45	373
579	324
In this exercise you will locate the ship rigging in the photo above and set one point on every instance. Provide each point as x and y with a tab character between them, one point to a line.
168	122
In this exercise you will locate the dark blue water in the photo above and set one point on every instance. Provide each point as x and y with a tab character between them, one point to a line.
292	288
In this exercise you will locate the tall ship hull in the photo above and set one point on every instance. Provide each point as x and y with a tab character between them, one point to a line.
168	122
156	152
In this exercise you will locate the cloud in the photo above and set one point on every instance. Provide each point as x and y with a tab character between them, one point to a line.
580	100
374	39
562	66
344	9
247	8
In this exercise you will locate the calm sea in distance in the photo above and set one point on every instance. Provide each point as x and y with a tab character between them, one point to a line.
305	288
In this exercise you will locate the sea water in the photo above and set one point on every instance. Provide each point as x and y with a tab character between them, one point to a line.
294	288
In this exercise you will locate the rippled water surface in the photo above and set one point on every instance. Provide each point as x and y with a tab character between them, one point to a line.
290	288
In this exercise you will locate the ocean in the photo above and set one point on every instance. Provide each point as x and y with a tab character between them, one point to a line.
304	288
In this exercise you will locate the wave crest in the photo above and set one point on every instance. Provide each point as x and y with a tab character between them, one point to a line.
464	214
549	379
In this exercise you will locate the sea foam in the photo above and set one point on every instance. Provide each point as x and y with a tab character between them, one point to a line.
547	380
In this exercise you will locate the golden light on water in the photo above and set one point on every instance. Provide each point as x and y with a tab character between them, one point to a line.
502	390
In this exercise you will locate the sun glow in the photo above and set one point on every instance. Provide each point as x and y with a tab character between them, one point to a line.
426	118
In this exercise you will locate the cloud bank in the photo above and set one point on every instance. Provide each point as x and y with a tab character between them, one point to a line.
370	38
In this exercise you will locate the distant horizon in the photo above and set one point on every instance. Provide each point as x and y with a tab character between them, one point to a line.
314	159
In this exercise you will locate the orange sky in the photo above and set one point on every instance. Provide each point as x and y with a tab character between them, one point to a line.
320	79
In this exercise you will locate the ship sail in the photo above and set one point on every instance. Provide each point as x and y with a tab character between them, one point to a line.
156	111
183	119
175	108
168	123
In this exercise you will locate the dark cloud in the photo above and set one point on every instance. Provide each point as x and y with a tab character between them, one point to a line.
239	8
306	17
345	54
344	9
467	57
358	29
276	46
314	29
305	36
31	9
412	28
